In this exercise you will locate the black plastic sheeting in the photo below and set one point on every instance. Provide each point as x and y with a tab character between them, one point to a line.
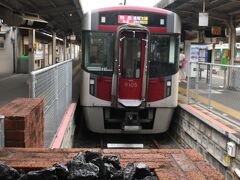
85	166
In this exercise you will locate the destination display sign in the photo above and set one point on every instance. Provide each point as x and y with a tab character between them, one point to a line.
123	19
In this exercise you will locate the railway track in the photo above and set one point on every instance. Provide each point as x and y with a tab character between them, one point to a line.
136	141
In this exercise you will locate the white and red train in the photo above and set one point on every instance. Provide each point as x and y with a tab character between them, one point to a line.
129	74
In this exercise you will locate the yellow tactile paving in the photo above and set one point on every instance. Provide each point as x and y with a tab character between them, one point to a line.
214	104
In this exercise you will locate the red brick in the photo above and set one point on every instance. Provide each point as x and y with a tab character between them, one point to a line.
183	162
167	168
196	175
26	116
14	144
14	135
166	175
9	125
193	155
208	171
14	123
142	156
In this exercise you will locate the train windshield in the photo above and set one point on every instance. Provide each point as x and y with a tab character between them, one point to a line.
131	58
163	55
98	52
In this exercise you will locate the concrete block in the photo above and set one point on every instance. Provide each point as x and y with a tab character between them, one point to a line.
238	152
211	147
229	175
219	139
209	158
235	164
201	150
199	137
185	115
202	128
178	130
185	125
218	153
194	133
208	131
190	141
218	166
191	119
197	123
179	122
204	141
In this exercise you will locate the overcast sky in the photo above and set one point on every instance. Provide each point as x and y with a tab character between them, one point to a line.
92	4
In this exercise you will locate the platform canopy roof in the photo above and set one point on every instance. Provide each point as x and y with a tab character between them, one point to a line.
62	16
220	11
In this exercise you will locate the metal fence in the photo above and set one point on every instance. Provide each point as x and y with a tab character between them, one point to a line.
215	87
1	131
54	84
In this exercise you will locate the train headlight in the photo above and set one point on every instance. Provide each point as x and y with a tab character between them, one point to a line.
169	83
92	86
168	88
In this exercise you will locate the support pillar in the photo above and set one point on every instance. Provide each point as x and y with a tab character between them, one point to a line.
213	53
54	48
31	61
232	47
71	51
232	42
65	49
74	52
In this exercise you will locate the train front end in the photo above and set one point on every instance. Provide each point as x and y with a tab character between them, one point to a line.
129	75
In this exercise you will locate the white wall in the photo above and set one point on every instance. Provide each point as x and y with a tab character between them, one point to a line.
6	54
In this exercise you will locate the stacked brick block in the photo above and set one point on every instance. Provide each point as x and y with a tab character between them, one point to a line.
166	163
23	123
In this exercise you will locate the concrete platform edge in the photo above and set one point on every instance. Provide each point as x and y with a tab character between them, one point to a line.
64	135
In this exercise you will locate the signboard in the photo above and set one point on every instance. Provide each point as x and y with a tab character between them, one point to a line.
216	31
123	19
203	19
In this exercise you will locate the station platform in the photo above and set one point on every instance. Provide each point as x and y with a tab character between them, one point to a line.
166	163
13	86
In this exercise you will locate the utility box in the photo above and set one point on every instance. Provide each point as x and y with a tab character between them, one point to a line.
1	131
231	149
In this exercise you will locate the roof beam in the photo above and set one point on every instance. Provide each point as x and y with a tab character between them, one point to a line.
57	10
220	6
78	7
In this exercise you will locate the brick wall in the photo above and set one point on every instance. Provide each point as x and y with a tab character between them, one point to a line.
166	163
204	132
24	123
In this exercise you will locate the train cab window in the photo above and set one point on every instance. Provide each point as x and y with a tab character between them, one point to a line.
98	52
163	55
131	58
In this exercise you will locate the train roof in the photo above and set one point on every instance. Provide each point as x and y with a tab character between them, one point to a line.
133	8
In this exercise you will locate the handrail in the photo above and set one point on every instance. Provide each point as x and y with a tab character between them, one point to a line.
49	67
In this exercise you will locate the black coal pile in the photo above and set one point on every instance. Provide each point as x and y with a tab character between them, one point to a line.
85	166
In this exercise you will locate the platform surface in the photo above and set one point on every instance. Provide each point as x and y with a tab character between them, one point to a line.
167	163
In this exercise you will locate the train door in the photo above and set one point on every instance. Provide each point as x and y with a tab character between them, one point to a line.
132	76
